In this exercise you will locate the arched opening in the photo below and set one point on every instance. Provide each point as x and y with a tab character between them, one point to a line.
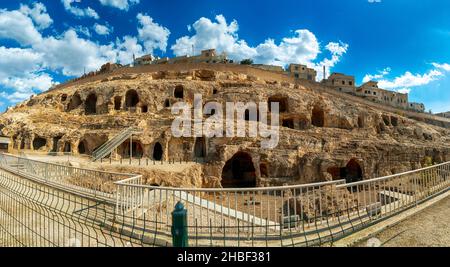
38	143
157	151
283	103
318	117
394	121
352	172
90	106
239	172
179	91
67	147
81	148
117	103
200	147
131	99
74	103
136	149
167	103
288	123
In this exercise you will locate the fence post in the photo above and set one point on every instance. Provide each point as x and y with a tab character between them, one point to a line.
179	226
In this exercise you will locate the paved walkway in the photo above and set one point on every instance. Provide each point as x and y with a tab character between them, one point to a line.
428	228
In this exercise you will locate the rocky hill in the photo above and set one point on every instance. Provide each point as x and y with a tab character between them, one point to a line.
322	137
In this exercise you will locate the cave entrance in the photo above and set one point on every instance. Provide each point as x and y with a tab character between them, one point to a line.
131	99
179	91
352	172
136	150
75	102
117	103
39	143
289	123
157	151
200	147
318	116
283	103
144	109
239	172
81	148
90	107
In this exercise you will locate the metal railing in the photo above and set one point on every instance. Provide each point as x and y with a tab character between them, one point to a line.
112	144
140	215
86	182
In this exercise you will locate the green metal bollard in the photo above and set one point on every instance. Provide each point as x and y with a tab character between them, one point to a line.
179	226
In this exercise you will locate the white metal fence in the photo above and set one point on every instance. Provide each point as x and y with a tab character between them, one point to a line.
300	215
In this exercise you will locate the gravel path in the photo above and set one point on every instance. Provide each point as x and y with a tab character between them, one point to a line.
429	228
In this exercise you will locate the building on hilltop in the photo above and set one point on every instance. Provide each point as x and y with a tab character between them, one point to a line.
268	67
419	107
444	114
206	56
341	82
299	71
371	91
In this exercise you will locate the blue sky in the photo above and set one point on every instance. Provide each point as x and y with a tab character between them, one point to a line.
402	44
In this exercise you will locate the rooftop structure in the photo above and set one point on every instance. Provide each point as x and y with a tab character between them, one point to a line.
206	56
299	71
444	114
341	82
371	91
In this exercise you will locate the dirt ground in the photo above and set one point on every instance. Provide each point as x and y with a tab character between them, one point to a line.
429	228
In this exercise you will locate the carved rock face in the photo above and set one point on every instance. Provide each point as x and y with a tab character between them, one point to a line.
321	132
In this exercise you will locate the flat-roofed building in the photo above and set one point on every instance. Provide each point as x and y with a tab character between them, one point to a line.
444	114
419	107
371	91
341	82
299	71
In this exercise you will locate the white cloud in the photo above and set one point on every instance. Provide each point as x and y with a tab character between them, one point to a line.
21	70
38	13
82	30
79	12
120	4
374	1
302	47
153	35
127	48
17	26
408	80
444	66
379	75
102	29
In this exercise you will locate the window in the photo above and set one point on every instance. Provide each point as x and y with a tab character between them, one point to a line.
297	76
374	93
350	83
343	82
